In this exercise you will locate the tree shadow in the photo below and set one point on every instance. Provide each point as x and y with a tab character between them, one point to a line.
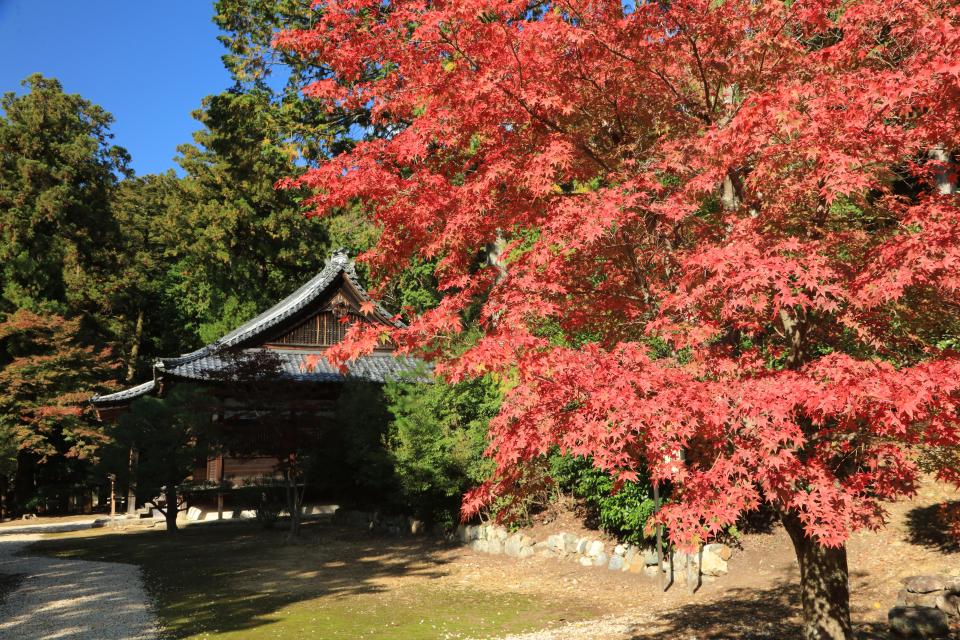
936	526
9	583
237	577
743	614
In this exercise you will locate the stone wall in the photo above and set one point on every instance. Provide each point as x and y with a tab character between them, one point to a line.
705	565
926	607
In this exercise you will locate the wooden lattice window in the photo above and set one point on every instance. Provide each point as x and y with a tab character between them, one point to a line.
324	329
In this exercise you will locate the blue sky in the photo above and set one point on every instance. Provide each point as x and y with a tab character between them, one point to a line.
147	63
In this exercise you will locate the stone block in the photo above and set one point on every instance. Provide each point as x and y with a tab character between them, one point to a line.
918	622
585	561
721	550
563	542
619	550
650	557
595	548
525	552
513	545
495	546
949	603
600	560
616	563
919	599
581	547
924	584
713	565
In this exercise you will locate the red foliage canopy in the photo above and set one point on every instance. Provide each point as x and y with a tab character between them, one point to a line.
736	214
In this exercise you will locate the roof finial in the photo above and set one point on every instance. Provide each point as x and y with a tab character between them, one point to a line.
340	254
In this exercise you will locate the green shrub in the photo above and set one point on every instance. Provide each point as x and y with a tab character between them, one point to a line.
623	514
437	438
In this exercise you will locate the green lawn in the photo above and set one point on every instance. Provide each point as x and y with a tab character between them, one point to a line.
238	581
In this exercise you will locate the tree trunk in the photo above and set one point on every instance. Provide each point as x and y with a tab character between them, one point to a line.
824	587
132	459
293	503
944	176
24	483
135	348
170	492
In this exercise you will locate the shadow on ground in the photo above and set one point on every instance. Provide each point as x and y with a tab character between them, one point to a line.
237	577
936	526
9	583
743	614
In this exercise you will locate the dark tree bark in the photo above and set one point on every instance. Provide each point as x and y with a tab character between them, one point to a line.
135	349
294	500
24	483
824	585
170	493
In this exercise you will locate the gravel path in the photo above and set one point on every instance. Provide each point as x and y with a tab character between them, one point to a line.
71	599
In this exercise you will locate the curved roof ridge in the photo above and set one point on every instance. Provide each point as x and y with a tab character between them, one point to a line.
125	394
338	262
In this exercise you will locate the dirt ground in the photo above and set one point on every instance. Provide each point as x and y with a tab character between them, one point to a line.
757	600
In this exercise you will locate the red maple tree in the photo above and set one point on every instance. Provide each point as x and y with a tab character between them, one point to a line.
740	215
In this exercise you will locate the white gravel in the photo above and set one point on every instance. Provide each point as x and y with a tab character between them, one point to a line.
72	599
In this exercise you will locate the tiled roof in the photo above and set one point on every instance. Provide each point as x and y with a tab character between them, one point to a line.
214	361
126	395
377	367
338	263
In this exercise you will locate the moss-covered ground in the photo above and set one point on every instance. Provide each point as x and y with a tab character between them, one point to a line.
230	581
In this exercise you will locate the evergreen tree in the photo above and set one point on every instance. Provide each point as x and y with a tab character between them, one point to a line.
146	314
58	170
170	433
242	244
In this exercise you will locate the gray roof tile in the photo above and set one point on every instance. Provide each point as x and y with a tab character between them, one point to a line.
126	395
377	367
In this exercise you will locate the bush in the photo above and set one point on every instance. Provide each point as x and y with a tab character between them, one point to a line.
623	514
437	438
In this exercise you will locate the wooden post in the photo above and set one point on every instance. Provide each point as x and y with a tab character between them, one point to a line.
131	481
113	500
220	489
656	511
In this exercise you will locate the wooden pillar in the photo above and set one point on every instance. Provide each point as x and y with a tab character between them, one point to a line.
133	458
656	511
220	487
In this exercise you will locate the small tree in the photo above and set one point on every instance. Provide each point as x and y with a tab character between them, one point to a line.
47	375
437	438
170	433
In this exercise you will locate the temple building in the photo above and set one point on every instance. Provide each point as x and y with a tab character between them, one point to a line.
291	337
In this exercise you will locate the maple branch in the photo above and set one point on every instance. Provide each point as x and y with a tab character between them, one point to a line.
530	111
700	68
